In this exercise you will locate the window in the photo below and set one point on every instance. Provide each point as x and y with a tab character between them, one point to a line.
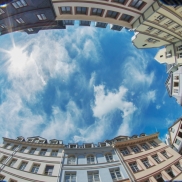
135	149
146	163
176	27
152	40
115	174
97	11
176	84
180	55
71	160
20	20
12	162
170	172
70	177
125	151
23	149
43	152
179	48
73	146
1	177
68	22
32	151
175	91
85	23
158	32
90	159
145	146
116	27
159	18
134	167
169	22
19	4
101	25
138	4
126	17
156	158
41	17
23	166
93	177
154	144
49	170
3	160
109	157
177	142
1	11
120	1
36	141
35	168
150	29
66	10
81	10
178	165
54	153
164	153
159	178
112	14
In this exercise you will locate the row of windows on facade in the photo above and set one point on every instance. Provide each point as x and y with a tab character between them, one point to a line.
35	167
115	173
96	12
167	25
137	4
136	149
147	163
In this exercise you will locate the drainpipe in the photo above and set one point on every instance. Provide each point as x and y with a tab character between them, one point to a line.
61	165
122	162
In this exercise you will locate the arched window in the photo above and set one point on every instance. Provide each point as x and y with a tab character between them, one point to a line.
71	159
90	159
109	157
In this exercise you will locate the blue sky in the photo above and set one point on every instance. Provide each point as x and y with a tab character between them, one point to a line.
82	84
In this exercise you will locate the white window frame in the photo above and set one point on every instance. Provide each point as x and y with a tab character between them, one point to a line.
109	157
43	152
135	149
13	161
115	174
145	146
23	166
54	153
146	163
90	159
71	177
41	17
23	149
32	151
49	170
125	151
71	160
156	158
134	167
35	168
93	176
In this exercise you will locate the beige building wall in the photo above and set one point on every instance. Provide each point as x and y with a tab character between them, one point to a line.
143	173
106	5
159	25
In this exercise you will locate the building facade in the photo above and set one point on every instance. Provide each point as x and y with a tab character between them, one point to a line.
149	159
36	159
29	16
122	159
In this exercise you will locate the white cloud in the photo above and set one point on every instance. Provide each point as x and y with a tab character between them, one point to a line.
158	106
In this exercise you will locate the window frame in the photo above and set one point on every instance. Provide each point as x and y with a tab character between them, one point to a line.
109	157
23	165
123	18
97	14
65	12
35	168
43	152
115	173
48	172
117	1
81	12
90	159
16	4
93	176
71	160
125	151
71	175
12	162
156	158
134	167
32	149
41	17
146	163
134	5
135	149
112	13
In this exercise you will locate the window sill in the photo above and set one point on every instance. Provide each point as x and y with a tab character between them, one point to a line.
139	171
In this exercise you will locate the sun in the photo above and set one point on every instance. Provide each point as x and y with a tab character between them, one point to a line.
18	58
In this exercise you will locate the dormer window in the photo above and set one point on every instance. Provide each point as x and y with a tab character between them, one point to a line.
72	146
41	17
41	141
88	145
30	140
36	141
54	142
